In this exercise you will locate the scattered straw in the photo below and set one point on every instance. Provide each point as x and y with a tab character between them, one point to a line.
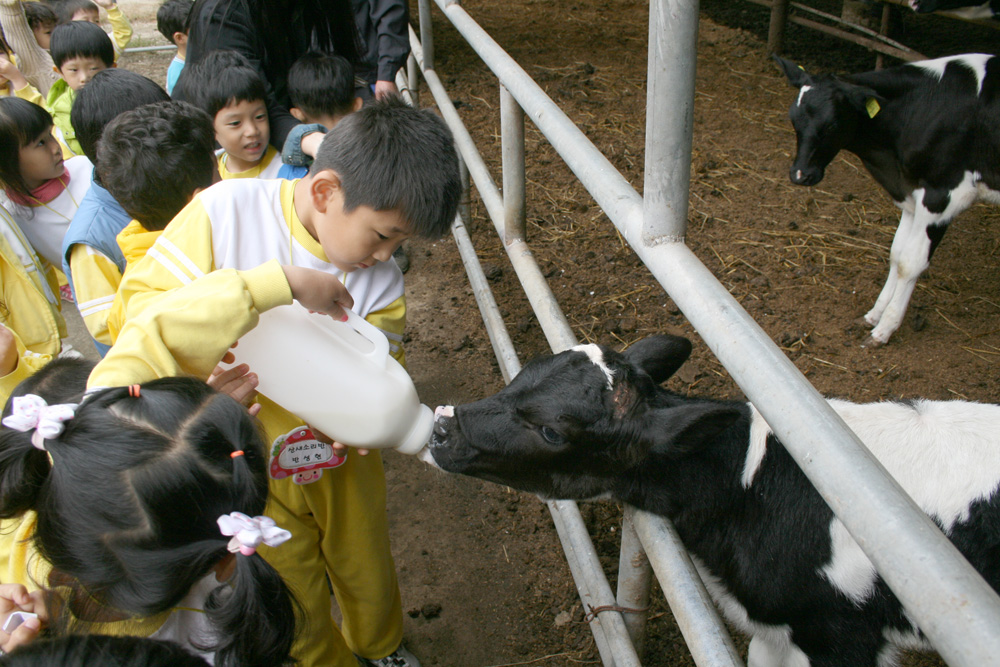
957	328
830	363
568	656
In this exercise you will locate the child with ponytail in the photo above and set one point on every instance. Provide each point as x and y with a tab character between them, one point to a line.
142	502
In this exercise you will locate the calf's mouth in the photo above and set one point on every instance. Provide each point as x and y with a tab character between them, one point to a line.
444	420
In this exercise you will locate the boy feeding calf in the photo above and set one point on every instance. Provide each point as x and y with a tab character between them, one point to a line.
592	422
928	132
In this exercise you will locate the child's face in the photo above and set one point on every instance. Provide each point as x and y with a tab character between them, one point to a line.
87	14
78	71
356	240
43	35
241	129
41	160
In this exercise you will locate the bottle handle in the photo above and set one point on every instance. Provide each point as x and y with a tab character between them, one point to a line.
371	333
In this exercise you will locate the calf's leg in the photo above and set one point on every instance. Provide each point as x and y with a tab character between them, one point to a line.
903	232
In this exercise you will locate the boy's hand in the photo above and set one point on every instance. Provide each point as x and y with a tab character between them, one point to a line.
8	351
319	291
237	383
107	4
383	88
15	597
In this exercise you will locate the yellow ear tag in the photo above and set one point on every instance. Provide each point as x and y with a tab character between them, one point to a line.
872	106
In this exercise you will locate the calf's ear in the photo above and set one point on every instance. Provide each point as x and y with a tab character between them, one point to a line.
659	356
864	99
689	427
795	74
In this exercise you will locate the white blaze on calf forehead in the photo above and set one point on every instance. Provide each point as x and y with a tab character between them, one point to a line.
974	61
802	91
595	355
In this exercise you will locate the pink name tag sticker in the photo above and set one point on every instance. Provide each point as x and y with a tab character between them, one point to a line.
299	455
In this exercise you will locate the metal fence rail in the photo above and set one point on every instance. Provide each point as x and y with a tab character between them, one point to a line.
952	604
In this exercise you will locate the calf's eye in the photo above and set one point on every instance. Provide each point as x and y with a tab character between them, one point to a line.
551	435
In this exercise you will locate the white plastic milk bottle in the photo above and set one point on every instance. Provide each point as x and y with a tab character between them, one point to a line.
338	377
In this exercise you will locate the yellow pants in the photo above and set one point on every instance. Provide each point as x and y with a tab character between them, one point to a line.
339	529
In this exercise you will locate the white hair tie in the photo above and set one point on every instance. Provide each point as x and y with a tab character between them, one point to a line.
31	412
248	533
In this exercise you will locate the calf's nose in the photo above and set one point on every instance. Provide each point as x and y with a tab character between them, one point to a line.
805	175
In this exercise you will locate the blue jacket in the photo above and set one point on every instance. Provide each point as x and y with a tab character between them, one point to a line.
96	224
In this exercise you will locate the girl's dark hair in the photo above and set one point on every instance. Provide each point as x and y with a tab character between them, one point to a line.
127	509
21	123
80	39
102	651
5	47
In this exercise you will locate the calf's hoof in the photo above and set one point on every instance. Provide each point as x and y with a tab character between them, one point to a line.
872	342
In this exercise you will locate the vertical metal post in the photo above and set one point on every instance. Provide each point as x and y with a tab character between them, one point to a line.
426	33
673	43
464	210
635	576
413	80
883	29
512	152
776	28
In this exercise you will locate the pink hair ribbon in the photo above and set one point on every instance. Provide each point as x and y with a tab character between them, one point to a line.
248	533
31	412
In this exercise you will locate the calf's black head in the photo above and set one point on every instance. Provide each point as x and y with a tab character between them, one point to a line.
825	117
569	425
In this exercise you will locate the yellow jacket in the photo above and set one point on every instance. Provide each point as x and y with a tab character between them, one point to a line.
134	240
30	303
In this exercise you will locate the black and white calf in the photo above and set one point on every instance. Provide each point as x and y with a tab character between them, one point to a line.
592	422
969	9
928	132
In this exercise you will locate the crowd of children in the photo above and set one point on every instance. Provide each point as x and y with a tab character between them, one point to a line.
135	494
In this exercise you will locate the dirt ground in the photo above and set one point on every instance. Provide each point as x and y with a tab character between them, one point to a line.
483	577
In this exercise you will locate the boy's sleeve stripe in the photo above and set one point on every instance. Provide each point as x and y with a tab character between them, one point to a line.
95	309
394	340
181	257
168	264
84	305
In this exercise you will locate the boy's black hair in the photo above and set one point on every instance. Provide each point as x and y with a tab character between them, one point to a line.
126	507
80	39
21	123
65	9
322	84
153	158
111	92
222	78
104	650
39	14
390	155
174	16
